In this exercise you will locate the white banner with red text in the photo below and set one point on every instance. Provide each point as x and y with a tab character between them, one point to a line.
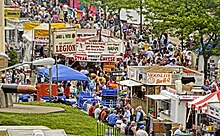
99	47
93	57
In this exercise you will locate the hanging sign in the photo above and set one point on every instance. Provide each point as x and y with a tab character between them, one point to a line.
41	37
93	58
159	79
99	47
12	12
65	42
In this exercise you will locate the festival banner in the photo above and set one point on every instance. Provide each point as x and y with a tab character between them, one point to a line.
159	79
93	58
65	42
99	47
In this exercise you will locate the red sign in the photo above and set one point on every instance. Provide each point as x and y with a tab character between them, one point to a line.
187	97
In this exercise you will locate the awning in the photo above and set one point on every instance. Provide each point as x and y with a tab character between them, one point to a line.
129	83
201	104
157	97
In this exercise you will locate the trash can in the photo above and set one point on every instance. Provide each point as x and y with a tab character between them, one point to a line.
168	127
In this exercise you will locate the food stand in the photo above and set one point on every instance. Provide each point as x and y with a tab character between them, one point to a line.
155	78
204	114
213	113
162	98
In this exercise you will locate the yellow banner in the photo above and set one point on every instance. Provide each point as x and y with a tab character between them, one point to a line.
12	13
41	33
32	25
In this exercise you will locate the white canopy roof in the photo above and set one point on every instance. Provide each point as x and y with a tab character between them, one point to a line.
129	83
157	97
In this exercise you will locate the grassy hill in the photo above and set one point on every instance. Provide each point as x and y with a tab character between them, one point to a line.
73	121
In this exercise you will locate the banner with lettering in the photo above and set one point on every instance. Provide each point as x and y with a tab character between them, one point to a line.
99	47
65	42
93	58
12	13
159	79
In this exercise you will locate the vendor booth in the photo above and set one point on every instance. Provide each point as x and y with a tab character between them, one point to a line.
213	113
155	78
62	73
168	105
59	73
202	111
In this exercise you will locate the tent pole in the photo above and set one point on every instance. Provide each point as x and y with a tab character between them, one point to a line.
56	70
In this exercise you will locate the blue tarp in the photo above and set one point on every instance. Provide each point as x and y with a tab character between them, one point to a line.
64	73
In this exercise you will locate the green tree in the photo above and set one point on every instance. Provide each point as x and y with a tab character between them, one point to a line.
13	57
180	18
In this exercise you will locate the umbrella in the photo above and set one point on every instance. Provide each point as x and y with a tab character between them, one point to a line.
85	72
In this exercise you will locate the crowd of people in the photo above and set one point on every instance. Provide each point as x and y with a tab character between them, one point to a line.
15	76
141	49
121	117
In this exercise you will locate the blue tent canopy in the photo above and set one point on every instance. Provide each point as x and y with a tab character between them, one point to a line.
64	73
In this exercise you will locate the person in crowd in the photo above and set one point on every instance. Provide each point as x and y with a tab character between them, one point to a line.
179	130
103	113
105	118
112	118
139	116
141	131
67	91
91	109
130	130
123	126
127	114
98	111
8	76
119	109
119	122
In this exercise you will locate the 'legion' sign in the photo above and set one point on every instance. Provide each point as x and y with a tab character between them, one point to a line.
65	42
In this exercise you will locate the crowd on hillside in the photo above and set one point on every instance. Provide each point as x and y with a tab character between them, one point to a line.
140	50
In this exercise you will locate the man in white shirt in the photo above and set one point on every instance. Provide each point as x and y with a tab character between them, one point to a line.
141	131
97	111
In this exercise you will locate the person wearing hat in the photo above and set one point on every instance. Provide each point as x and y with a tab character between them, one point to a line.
141	131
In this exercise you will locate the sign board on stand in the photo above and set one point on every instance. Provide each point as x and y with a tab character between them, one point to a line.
65	42
159	79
